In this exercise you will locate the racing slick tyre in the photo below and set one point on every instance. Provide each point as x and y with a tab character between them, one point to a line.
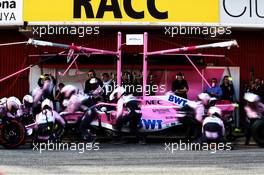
258	132
12	134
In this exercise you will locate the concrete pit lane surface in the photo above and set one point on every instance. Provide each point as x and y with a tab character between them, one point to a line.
132	159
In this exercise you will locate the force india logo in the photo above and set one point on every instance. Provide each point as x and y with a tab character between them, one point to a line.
114	7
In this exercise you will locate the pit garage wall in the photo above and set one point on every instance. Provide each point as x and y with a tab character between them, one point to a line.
161	78
249	55
12	59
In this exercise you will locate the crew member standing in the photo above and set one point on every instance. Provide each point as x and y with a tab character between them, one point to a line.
227	89
108	86
214	90
88	86
180	86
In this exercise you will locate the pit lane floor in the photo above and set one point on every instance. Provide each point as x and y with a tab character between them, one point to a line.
133	158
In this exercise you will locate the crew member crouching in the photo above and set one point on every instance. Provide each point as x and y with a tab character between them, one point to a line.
13	105
213	128
26	109
75	101
46	120
72	99
195	116
91	114
254	111
132	117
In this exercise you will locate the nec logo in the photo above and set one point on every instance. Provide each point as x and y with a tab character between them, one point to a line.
153	102
177	100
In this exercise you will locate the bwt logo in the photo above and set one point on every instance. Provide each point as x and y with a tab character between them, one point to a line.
114	7
177	100
151	124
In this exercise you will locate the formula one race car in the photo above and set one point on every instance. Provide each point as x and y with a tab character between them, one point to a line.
160	115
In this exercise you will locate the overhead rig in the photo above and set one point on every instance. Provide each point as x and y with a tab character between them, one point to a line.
74	50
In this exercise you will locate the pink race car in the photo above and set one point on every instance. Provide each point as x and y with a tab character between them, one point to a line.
160	115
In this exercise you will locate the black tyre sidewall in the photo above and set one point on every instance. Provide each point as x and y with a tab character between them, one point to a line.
20	140
258	128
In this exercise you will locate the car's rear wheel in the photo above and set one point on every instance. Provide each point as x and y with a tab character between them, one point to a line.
12	134
258	132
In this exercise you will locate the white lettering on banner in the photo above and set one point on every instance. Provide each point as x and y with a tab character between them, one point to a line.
242	12
11	12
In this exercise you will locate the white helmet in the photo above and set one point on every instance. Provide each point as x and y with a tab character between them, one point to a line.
27	99
204	96
214	110
250	97
13	104
3	100
47	103
117	93
68	90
